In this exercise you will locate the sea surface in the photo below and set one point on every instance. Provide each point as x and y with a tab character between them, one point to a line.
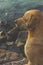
12	9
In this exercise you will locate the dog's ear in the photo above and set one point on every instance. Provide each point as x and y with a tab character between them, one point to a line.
33	22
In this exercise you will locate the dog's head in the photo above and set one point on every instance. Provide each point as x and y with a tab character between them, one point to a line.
30	20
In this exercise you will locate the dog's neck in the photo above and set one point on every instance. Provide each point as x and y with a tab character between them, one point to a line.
35	38
38	33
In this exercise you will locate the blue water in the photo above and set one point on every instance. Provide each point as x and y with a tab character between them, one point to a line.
9	3
12	9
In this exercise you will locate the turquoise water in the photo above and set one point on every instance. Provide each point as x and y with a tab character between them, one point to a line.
15	8
9	3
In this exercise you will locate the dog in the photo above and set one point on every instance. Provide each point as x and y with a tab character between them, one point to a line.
32	21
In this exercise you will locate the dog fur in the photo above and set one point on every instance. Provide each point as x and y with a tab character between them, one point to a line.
32	21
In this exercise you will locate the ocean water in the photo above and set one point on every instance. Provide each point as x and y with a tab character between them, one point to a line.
12	9
10	3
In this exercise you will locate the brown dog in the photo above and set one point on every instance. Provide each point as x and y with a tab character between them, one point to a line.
32	21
